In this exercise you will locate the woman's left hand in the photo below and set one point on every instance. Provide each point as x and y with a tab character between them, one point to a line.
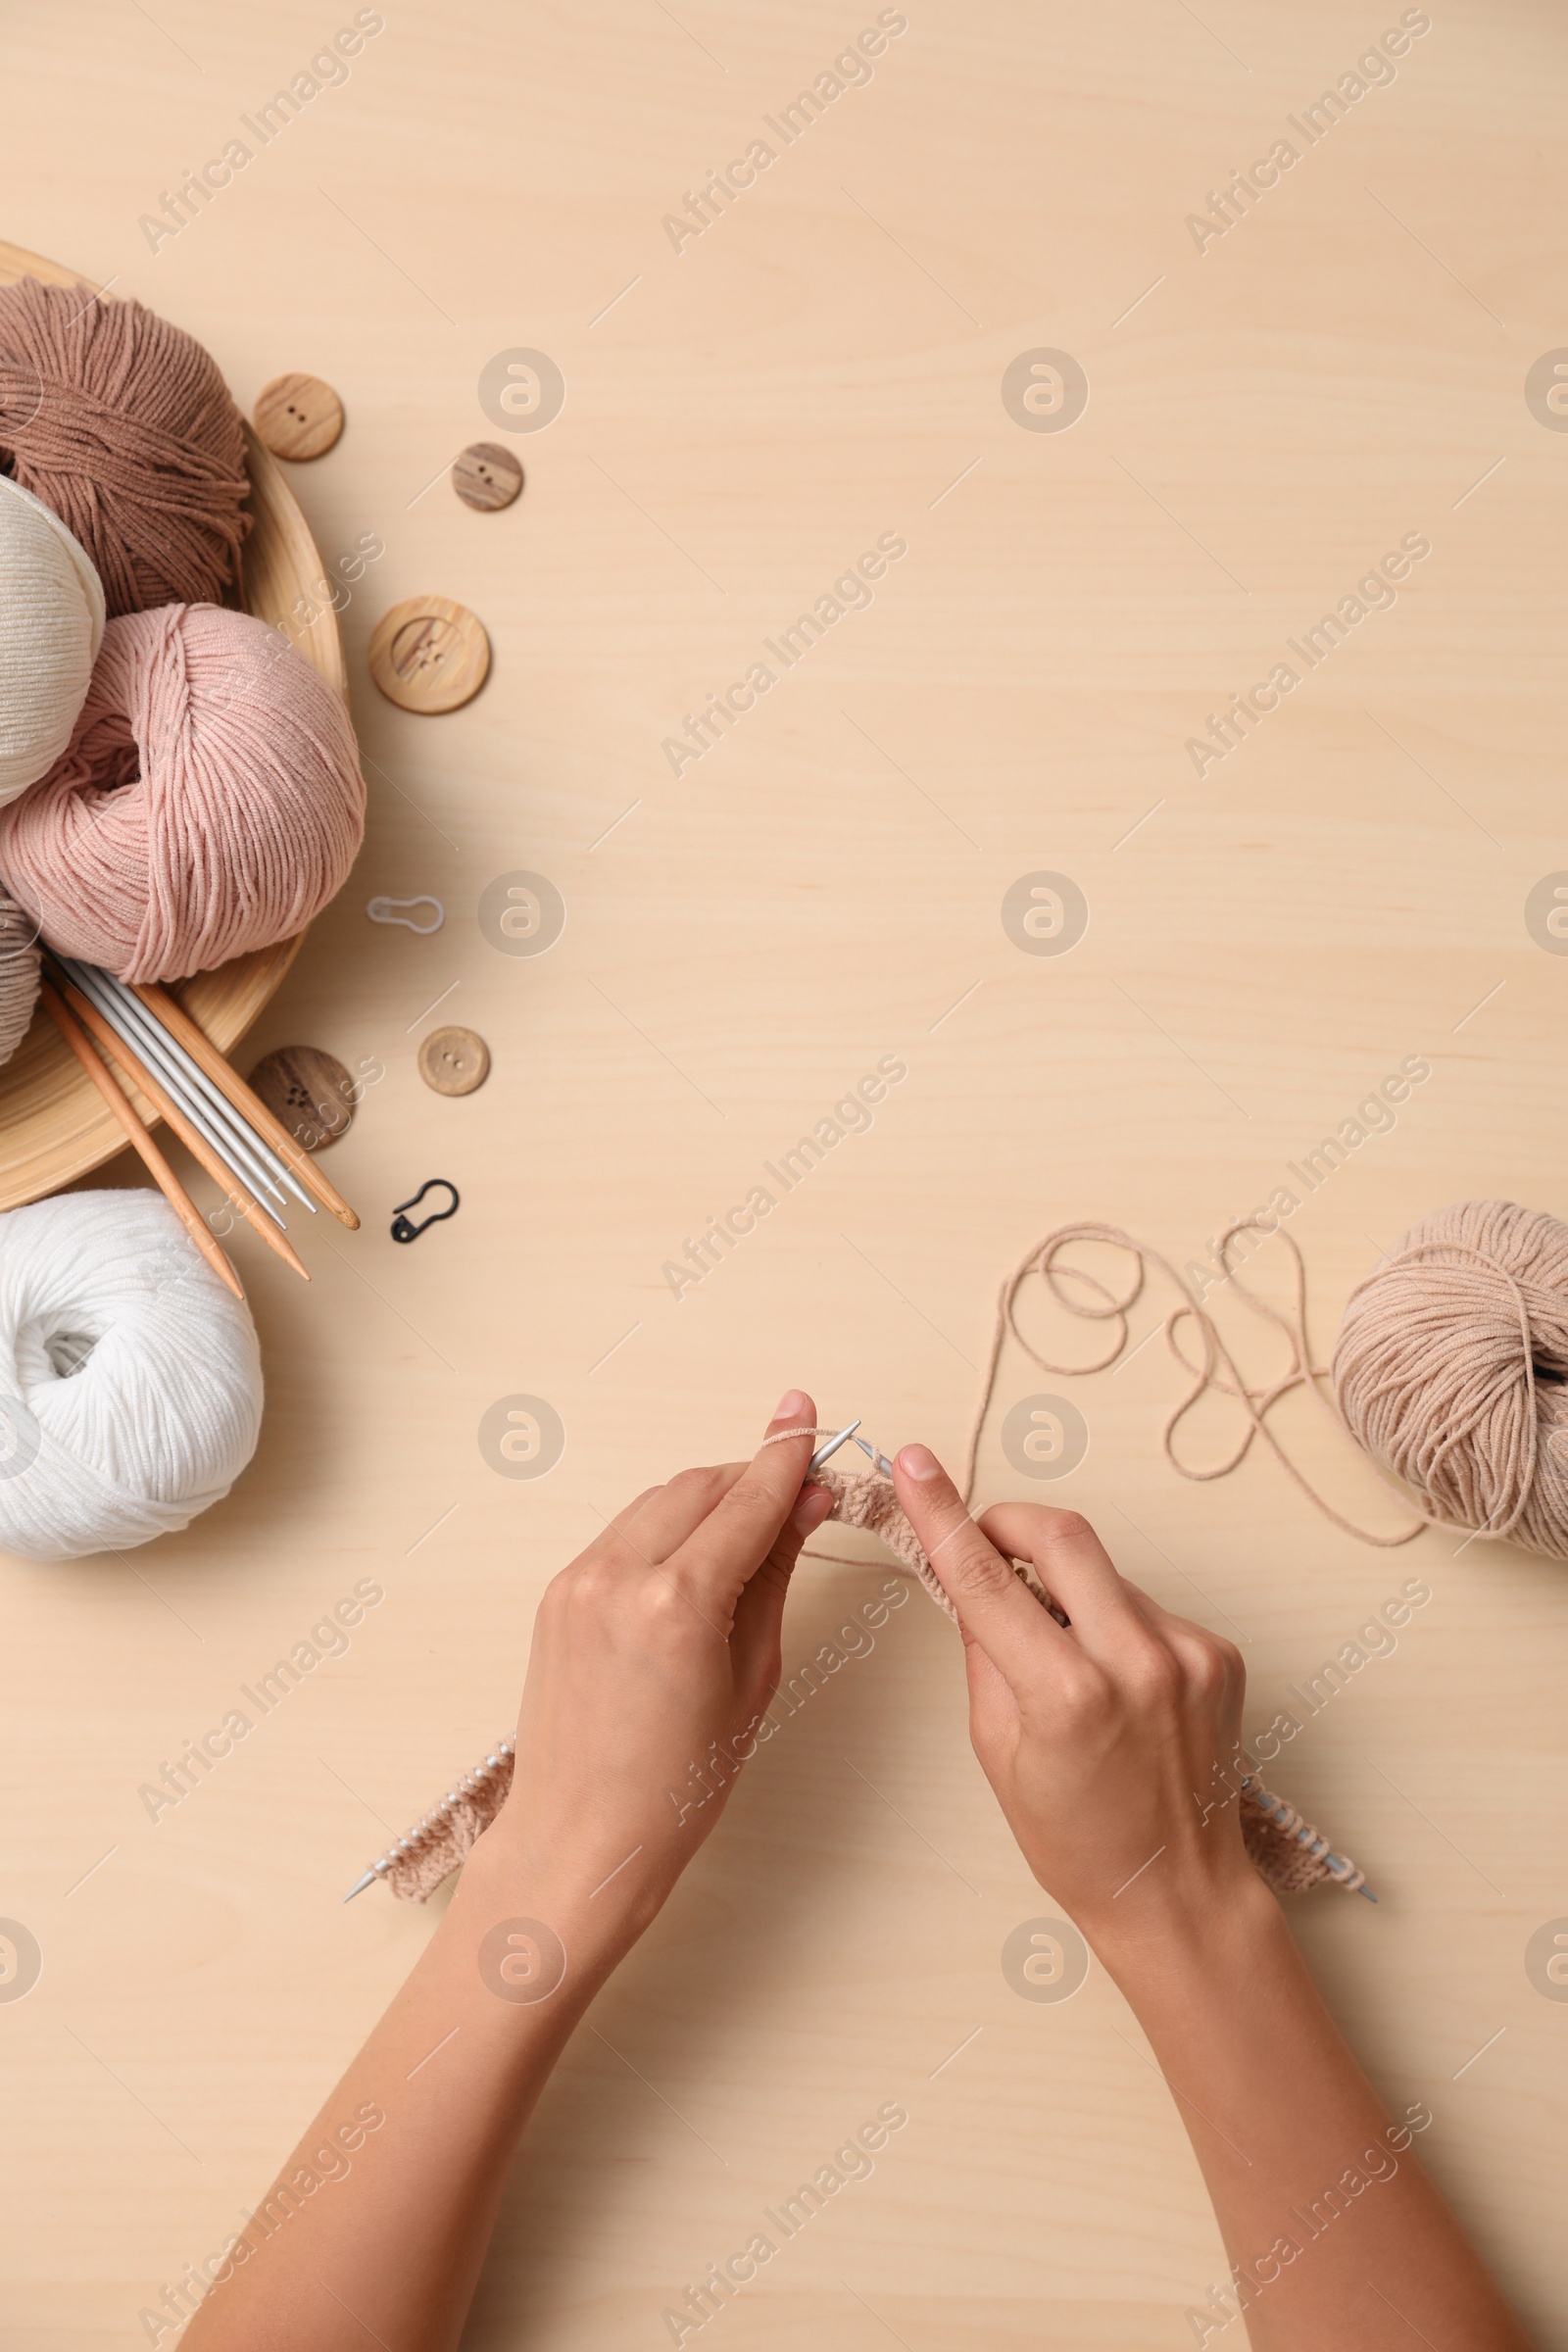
655	1657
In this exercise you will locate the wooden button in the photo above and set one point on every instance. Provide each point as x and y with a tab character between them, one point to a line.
487	476
453	1061
298	417
429	655
308	1092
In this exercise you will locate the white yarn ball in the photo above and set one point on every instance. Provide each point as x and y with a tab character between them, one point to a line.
130	1380
51	626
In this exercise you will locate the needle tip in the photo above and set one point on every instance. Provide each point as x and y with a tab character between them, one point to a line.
360	1885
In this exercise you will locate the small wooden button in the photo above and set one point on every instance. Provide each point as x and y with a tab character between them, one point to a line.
298	417
429	655
487	476
308	1092
453	1061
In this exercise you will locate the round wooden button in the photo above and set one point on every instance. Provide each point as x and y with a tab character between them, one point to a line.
453	1061
308	1092
298	417
429	655
487	476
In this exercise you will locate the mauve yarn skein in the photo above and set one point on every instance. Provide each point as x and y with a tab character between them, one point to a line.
131	1379
122	424
210	801
1451	1369
19	974
51	628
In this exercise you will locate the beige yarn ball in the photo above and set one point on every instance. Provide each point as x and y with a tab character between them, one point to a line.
1451	1369
19	974
51	626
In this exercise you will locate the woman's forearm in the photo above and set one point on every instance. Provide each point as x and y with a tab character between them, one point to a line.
376	2227
653	1656
1335	2232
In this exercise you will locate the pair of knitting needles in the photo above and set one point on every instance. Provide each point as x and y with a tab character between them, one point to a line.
823	1452
225	1127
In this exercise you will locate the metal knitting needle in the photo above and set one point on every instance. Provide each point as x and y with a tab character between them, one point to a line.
226	1137
229	1147
430	1824
125	1004
143	1022
140	1027
871	1455
832	1446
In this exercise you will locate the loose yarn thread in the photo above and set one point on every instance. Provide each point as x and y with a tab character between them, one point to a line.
131	1379
51	628
1450	1372
122	424
208	801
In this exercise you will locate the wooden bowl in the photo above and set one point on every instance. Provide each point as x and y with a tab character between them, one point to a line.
53	1125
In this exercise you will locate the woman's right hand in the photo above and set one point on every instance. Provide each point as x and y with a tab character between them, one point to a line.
1114	1744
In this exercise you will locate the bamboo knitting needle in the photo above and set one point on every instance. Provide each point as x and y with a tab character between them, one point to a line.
168	1182
230	1083
190	1136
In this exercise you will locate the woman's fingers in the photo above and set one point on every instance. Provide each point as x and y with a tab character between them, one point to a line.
994	1608
739	1532
1071	1563
665	1518
759	1611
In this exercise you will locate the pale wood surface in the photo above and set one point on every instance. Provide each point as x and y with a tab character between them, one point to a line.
812	372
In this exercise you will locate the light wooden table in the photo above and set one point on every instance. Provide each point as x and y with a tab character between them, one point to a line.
743	417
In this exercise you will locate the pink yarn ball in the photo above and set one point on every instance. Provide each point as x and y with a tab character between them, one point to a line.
210	800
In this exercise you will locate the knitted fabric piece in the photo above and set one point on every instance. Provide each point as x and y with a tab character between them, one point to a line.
454	1832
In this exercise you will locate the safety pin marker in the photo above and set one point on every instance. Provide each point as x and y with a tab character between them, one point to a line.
379	911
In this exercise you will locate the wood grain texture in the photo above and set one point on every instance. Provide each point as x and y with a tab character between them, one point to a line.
487	476
746	417
308	1092
53	1128
298	418
429	655
453	1061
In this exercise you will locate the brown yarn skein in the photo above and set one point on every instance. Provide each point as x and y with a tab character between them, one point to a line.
122	424
19	974
1451	1369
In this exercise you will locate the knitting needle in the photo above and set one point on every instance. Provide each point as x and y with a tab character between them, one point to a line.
126	1010
190	1135
431	1825
831	1448
871	1455
231	1084
168	1182
204	1104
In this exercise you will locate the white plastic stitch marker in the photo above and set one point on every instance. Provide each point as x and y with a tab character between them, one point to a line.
380	911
